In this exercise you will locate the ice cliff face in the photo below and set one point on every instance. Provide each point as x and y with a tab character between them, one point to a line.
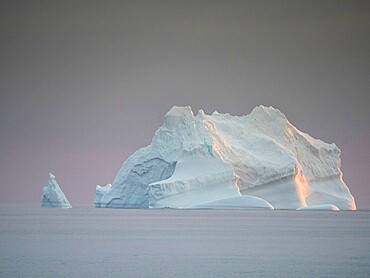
196	160
53	196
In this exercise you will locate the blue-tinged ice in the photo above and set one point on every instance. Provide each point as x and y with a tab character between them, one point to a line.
53	196
213	160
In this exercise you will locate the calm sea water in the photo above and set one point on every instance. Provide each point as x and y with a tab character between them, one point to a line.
89	242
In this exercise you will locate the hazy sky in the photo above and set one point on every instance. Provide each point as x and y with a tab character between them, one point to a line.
84	84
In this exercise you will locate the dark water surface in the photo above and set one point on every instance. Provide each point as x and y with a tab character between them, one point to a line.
90	242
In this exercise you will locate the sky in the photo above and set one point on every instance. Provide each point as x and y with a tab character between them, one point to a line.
84	84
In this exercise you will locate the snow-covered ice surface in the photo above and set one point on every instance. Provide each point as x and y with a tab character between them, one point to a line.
89	242
237	202
53	196
204	158
195	180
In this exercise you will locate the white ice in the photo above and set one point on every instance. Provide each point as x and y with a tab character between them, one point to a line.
270	158
320	207
53	196
100	191
237	202
195	180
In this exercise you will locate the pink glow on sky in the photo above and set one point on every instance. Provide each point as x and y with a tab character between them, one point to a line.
85	84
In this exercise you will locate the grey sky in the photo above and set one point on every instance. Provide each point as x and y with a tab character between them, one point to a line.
84	84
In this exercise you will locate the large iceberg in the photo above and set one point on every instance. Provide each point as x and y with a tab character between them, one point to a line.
207	161
53	196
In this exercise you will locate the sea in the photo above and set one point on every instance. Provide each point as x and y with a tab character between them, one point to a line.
89	242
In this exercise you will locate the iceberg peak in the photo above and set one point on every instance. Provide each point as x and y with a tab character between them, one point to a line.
51	176
268	114
178	115
53	196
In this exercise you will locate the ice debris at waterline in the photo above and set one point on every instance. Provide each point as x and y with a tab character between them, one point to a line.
320	207
53	196
101	190
213	160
